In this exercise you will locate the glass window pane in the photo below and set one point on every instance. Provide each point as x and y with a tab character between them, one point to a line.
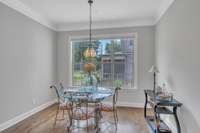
114	61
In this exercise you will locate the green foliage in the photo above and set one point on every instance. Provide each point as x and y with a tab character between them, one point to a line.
114	46
78	75
118	83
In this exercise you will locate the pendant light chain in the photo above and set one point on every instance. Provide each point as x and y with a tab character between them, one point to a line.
90	3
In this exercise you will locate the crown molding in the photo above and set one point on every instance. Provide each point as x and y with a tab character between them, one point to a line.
163	9
105	24
25	10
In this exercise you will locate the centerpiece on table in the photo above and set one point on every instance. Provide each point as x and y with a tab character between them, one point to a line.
163	94
90	77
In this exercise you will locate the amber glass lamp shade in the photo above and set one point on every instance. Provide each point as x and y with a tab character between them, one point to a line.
90	52
89	67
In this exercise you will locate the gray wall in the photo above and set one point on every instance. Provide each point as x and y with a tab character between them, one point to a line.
146	38
177	57
27	63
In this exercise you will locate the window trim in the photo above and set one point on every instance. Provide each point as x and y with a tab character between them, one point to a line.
107	36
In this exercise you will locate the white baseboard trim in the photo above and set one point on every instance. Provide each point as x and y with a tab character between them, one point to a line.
129	104
23	116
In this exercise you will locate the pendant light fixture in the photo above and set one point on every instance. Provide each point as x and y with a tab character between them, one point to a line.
90	52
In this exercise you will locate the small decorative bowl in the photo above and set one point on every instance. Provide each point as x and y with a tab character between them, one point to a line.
165	96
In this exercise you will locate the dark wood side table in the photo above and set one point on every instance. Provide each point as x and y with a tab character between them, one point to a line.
160	107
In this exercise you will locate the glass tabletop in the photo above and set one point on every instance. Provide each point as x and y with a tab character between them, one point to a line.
88	93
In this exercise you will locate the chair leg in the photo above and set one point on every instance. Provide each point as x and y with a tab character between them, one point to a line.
63	114
87	117
115	119
100	115
70	115
69	127
116	115
57	111
78	125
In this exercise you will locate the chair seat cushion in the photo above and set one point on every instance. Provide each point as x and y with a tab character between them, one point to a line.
83	113
106	107
64	105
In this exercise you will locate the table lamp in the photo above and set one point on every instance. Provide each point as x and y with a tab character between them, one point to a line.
154	70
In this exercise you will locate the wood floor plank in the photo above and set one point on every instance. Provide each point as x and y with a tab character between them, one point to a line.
131	120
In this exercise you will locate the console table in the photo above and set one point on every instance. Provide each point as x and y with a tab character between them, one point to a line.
160	107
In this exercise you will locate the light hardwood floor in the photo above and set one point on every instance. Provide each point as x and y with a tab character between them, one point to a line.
131	120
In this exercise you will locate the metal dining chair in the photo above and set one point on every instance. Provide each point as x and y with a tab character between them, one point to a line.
62	103
112	108
79	110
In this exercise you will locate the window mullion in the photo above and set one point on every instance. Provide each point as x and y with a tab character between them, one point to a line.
112	64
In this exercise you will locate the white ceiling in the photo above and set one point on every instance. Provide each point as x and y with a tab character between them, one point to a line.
74	14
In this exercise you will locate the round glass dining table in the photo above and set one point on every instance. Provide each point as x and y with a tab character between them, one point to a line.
94	94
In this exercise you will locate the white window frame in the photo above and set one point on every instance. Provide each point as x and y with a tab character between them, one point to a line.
108	36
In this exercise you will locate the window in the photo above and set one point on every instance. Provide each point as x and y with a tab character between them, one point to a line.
115	60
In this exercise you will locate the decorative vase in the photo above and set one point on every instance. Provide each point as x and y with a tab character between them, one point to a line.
89	67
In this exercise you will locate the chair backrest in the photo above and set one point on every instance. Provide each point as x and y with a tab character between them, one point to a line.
57	91
61	90
61	86
115	96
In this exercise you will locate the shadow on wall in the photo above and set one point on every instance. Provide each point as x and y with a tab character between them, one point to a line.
171	82
187	117
187	121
